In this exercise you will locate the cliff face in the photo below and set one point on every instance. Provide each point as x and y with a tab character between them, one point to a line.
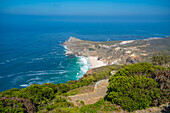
118	52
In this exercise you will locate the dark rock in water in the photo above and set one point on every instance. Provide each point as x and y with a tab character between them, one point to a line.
71	56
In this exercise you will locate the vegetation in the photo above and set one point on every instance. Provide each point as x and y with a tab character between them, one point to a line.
162	77
91	49
133	87
134	92
160	59
81	90
138	86
100	106
45	97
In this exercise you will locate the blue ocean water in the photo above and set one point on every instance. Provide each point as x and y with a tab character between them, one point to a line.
32	53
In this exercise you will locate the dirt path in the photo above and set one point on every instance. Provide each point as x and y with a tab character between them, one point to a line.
99	92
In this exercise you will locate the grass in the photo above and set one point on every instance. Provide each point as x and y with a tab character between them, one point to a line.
100	106
81	90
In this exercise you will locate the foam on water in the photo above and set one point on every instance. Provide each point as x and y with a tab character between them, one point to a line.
36	78
24	85
84	66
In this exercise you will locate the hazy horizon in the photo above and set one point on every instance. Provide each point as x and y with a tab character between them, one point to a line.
85	10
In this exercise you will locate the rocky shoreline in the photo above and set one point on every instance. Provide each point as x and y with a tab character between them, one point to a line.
118	52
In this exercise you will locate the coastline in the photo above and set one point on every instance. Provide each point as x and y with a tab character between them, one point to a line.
115	52
84	63
93	60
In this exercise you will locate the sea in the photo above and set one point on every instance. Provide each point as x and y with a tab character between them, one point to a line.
30	52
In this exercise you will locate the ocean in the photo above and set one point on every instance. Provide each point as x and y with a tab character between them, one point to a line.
31	53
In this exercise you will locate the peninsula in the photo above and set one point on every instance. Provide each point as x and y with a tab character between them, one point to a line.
117	52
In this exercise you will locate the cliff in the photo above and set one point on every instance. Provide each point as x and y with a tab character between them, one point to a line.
118	52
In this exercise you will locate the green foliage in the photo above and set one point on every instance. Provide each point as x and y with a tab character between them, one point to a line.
63	88
137	86
49	107
8	106
143	68
100	106
82	102
160	59
134	92
81	90
59	99
59	102
91	49
38	93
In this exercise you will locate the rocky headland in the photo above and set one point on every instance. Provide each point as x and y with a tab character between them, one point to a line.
118	52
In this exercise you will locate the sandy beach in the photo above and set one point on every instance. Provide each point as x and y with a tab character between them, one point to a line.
95	63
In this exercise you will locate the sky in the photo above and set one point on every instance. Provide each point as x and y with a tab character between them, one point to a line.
88	8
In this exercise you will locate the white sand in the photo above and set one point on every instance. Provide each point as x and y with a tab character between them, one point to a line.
95	63
126	42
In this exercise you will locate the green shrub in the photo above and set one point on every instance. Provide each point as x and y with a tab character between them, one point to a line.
64	104
160	58
82	102
132	93
59	99
100	106
143	86
49	107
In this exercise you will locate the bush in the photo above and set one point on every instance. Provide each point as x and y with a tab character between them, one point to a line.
59	99
160	58
137	86
134	92
82	102
98	107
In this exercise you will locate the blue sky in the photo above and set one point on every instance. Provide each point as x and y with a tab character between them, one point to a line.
84	11
86	7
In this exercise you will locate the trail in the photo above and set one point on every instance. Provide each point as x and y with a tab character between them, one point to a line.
99	92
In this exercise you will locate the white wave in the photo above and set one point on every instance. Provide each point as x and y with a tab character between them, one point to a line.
37	59
15	74
36	82
84	66
84	60
65	47
24	85
37	74
36	78
62	72
46	72
1	77
53	52
60	64
54	77
10	60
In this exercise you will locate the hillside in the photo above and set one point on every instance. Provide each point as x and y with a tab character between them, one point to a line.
142	84
118	52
